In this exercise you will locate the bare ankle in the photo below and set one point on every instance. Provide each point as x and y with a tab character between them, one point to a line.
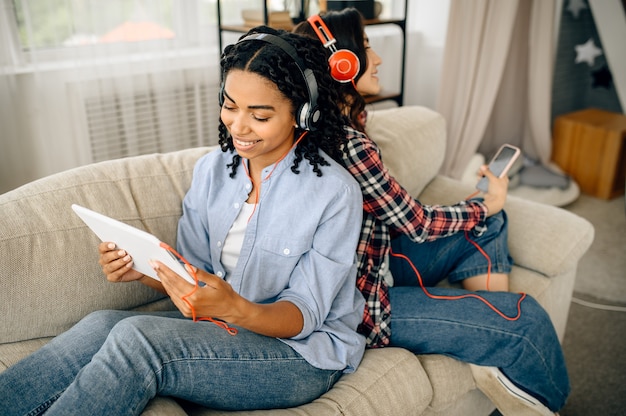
497	282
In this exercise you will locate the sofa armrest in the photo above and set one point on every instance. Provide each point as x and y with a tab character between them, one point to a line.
542	238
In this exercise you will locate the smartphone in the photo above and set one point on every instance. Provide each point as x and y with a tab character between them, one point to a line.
500	164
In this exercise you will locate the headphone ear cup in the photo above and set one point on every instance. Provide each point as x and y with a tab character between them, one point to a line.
344	65
307	117
302	117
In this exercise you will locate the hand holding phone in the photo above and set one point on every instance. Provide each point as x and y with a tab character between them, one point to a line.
500	164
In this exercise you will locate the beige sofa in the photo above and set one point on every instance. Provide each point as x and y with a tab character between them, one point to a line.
50	277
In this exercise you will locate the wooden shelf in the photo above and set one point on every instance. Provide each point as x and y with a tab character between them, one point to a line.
372	22
400	22
241	28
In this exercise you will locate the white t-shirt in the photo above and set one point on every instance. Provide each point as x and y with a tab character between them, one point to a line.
234	239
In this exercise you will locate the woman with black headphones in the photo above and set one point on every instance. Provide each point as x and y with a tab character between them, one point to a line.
275	287
407	246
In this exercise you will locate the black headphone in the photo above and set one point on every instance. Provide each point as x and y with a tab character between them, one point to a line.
344	64
308	114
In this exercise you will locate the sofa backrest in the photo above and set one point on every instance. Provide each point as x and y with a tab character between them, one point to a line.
49	273
412	140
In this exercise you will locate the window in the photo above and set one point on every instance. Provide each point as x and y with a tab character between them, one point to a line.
52	30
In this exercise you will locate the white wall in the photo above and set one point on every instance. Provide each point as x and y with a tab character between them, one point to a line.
386	40
426	29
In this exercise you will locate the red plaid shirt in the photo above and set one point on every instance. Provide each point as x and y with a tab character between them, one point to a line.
388	208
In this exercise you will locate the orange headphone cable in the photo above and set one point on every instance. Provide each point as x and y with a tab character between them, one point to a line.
465	296
256	188
190	268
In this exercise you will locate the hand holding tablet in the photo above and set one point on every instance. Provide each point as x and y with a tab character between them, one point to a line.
140	245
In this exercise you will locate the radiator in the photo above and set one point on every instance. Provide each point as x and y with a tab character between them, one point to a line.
125	117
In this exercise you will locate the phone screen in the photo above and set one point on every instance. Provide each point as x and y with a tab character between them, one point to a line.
502	160
499	165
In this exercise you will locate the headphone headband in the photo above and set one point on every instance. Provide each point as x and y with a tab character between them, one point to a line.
308	114
344	64
282	44
323	32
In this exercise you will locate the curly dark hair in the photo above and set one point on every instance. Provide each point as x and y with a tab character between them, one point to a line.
273	63
348	28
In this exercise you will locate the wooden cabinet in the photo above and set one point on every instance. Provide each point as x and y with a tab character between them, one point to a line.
589	146
397	96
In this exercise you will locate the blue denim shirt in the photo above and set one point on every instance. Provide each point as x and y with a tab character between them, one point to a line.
299	246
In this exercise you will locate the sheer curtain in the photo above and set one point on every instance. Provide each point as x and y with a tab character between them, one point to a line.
496	79
86	80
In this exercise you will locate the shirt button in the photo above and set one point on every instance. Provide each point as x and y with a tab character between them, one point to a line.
286	252
219	274
236	205
248	186
219	244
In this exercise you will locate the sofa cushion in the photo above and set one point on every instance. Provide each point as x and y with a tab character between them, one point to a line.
12	352
450	380
389	381
412	155
163	406
51	276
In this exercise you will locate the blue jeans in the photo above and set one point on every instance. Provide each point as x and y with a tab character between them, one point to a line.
114	362
526	350
452	257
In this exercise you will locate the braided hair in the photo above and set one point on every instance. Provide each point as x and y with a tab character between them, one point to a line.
274	64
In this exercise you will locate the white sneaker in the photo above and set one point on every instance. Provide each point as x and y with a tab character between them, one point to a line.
508	398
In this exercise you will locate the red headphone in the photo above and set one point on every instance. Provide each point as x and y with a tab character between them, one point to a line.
344	64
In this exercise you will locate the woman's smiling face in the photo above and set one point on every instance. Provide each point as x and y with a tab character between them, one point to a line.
369	84
258	117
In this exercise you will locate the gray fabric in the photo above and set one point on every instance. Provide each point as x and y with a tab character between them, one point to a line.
50	272
541	176
450	380
412	154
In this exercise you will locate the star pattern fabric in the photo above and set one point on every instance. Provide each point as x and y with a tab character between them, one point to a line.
575	6
587	52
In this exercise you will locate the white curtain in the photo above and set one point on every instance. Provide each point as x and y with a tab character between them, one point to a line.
88	80
496	79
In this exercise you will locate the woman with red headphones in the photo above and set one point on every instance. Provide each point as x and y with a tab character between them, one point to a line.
506	336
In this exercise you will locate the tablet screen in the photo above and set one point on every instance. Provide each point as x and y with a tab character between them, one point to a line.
140	245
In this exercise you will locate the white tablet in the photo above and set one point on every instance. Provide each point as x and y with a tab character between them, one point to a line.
140	245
